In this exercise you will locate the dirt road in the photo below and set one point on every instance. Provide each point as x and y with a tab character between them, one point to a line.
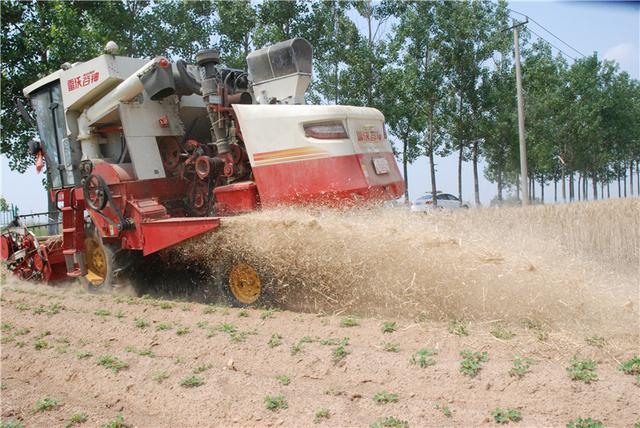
108	355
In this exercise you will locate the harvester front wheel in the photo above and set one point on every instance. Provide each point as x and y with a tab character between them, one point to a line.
100	260
244	286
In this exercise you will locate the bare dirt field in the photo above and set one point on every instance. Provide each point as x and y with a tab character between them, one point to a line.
538	297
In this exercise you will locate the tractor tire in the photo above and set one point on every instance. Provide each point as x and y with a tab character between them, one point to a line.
104	262
242	285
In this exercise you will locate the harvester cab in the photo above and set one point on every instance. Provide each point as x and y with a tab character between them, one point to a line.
142	155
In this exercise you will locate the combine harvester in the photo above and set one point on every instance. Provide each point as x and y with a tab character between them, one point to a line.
142	155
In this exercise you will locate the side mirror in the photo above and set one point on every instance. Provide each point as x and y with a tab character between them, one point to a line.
24	113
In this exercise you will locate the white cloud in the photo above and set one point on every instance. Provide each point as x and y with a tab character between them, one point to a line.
626	55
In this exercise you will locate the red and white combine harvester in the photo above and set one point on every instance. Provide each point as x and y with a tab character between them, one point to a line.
142	155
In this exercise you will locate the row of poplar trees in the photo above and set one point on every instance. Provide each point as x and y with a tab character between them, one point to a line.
442	72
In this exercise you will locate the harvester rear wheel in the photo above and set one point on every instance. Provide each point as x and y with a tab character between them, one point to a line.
244	286
100	260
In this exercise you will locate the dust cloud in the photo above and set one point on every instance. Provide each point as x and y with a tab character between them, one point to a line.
576	264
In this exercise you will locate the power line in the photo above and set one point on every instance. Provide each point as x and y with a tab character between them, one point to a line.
548	31
552	44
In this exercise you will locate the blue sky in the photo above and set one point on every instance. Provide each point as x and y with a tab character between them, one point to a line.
612	29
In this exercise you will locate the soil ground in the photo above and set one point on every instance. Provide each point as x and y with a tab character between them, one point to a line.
46	331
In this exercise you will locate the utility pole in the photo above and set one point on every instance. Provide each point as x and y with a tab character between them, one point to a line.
523	145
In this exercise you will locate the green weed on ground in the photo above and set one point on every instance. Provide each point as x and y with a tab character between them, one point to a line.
118	422
584	423
192	381
458	328
389	326
76	419
582	370
500	331
389	422
631	366
504	416
596	341
521	366
391	347
349	322
321	414
444	409
423	357
112	363
276	340
283	379
472	362
46	404
160	376
385	397
275	403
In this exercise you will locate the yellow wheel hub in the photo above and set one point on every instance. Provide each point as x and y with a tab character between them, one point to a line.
96	262
245	283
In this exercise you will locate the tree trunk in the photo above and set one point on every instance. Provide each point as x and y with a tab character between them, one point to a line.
460	172
602	189
432	164
555	190
571	190
517	187
579	186
499	179
532	189
608	189
370	87
585	187
631	178
405	161
638	177
564	190
542	188
476	186
619	191
624	180
594	186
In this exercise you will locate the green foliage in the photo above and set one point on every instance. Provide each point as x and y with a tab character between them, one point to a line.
192	381
582	370
163	327
11	424
275	402
41	344
276	340
521	366
385	397
445	410
631	366
82	355
504	416
118	422
500	331
389	422
102	312
584	423
349	322
181	331
597	341
472	362
141	323
391	347
423	357
46	404
389	326
202	368
160	376
321	414
283	379
340	353
76	419
112	363
458	328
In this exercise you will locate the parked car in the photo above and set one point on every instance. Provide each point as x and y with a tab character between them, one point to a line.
445	201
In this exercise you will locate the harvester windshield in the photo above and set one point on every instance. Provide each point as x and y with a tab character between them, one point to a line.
49	111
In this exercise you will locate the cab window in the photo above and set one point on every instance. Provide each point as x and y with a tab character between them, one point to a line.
49	112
